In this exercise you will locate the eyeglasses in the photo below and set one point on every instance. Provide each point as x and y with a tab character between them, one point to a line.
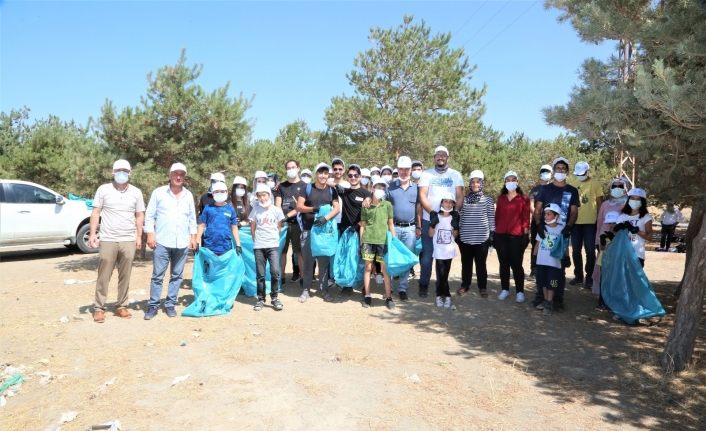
353	176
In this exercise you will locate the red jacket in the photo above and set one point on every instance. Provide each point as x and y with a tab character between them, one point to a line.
512	217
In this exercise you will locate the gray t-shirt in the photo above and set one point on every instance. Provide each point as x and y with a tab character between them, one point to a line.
266	225
118	210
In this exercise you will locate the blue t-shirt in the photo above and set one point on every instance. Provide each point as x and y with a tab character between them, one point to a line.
565	197
218	236
404	202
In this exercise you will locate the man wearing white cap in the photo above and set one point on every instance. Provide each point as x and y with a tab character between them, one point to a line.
583	235
545	177
433	184
402	194
170	223
120	207
207	198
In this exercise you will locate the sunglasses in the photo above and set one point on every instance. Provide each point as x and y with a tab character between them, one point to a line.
353	176
617	186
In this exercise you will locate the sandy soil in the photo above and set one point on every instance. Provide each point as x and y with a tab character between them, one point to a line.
485	365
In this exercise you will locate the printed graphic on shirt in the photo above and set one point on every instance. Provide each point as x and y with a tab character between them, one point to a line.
441	182
444	236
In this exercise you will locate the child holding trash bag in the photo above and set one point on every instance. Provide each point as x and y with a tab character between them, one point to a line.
550	251
637	221
443	229
218	223
265	225
375	221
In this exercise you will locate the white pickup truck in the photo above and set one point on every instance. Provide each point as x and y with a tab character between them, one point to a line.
33	215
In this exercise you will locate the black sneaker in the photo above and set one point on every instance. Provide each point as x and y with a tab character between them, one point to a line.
151	312
170	310
390	304
576	282
277	304
423	291
295	277
403	296
367	302
588	284
547	310
559	307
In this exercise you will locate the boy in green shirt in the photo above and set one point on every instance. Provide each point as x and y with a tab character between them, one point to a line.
375	221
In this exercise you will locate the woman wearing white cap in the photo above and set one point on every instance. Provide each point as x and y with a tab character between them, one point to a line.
240	201
511	236
637	221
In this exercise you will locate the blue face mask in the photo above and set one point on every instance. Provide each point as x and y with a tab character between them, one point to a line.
121	177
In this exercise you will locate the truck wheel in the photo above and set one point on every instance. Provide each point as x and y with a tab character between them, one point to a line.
82	239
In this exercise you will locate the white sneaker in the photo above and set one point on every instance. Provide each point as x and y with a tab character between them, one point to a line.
439	301
520	297
447	302
379	279
503	295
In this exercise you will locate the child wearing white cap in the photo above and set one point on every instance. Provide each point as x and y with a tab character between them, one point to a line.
443	228
549	270
637	221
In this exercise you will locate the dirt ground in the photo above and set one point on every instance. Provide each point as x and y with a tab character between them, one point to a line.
487	365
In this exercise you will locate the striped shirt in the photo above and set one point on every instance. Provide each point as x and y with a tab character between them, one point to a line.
477	221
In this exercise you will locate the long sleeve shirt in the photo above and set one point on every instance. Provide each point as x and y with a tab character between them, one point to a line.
512	217
477	221
172	219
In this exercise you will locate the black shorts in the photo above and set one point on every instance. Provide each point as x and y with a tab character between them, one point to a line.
548	277
374	252
294	234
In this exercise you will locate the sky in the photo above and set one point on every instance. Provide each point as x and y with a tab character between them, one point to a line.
67	58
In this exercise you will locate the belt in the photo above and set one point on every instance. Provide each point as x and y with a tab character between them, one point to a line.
405	224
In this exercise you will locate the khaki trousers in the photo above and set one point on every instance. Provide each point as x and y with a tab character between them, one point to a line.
112	254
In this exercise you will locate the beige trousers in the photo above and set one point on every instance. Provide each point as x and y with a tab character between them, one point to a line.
112	254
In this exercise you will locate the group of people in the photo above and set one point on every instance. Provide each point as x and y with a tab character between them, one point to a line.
434	205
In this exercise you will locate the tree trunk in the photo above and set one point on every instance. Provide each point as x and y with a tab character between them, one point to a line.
691	232
681	341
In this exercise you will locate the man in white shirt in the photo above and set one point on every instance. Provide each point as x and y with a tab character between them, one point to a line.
170	223
433	184
120	208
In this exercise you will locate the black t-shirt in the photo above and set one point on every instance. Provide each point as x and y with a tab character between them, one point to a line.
317	198
206	199
352	206
565	197
289	192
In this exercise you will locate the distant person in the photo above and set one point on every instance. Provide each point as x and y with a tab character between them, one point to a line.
170	223
443	228
545	177
669	219
286	199
417	169
511	235
306	176
583	234
386	173
365	180
240	201
120	208
207	198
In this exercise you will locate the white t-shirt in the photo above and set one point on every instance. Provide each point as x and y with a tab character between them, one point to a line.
444	241
638	243
437	185
544	256
266	225
118	210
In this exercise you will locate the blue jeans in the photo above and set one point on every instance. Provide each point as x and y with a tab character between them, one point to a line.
426	258
160	259
408	236
583	236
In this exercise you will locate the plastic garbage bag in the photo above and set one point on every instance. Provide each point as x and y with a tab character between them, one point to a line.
418	246
87	201
346	263
398	259
250	278
324	239
624	285
559	246
216	282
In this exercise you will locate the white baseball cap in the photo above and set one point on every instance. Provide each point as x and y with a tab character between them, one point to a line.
388	167
262	188
365	172
611	217
240	180
121	164
441	149
219	185
581	168
545	168
321	166
560	159
338	160
305	172
477	174
448	196
638	192
218	176
380	181
177	167
511	174
260	174
553	207
374	168
404	162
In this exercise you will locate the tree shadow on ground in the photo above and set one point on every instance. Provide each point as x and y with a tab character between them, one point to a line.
578	354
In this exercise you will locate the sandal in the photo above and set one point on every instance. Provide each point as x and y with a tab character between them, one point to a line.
462	291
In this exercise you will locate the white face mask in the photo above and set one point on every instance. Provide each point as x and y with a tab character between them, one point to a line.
121	177
617	192
550	221
379	194
266	203
582	177
239	192
634	204
545	176
375	178
364	181
560	176
511	186
306	179
446	210
387	178
220	197
416	174
292	173
271	184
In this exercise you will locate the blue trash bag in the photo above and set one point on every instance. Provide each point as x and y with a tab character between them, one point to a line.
324	239
216	282
250	278
418	246
347	261
559	246
398	259
624	285
87	201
